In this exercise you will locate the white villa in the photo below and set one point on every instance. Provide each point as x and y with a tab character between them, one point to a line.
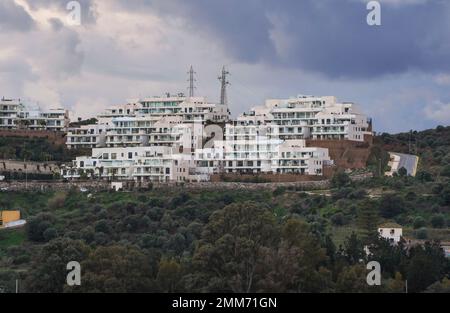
391	231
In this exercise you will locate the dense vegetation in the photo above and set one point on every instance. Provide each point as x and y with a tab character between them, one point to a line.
174	240
35	149
286	240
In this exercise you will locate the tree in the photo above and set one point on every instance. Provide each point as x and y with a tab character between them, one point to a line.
419	222
352	279
48	272
117	268
169	275
298	263
397	284
354	249
427	265
439	287
368	219
402	172
37	227
391	205
340	179
438	221
424	176
446	171
232	245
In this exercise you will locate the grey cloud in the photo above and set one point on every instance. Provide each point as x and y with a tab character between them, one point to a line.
325	36
14	17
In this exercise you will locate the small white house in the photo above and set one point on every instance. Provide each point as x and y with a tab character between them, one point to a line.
116	186
391	231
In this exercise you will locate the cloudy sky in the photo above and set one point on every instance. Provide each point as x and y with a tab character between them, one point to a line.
398	72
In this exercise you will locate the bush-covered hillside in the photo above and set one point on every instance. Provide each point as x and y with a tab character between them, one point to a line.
282	241
432	146
35	149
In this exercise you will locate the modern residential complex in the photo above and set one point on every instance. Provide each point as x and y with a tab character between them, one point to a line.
15	114
177	138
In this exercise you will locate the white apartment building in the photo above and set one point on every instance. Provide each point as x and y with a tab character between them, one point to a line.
9	109
162	139
142	164
154	121
14	114
115	111
86	136
190	109
309	117
269	155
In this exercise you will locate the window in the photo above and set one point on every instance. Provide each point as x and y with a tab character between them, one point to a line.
130	155
113	156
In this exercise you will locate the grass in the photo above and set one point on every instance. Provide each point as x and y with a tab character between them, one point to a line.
11	237
339	234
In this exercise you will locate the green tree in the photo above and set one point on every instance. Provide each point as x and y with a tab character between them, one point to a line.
354	249
48	272
368	219
402	172
298	263
233	244
426	266
438	221
117	268
340	179
169	275
391	205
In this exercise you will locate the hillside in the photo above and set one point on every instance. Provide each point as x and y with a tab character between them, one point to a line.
287	240
432	146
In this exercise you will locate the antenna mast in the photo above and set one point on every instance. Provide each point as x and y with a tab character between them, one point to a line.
191	81
224	83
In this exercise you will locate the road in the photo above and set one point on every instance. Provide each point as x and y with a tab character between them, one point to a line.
408	161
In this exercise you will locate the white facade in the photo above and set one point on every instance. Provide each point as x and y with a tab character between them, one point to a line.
391	232
309	117
156	120
162	139
142	164
86	136
14	114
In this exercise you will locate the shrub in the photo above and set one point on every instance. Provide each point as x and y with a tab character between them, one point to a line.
419	222
50	233
446	171
422	233
37	226
340	179
338	219
57	201
391	205
438	221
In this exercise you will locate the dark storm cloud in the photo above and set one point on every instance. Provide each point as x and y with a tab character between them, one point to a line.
324	36
13	17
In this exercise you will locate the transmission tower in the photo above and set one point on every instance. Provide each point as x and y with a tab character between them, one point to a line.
224	83
191	81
